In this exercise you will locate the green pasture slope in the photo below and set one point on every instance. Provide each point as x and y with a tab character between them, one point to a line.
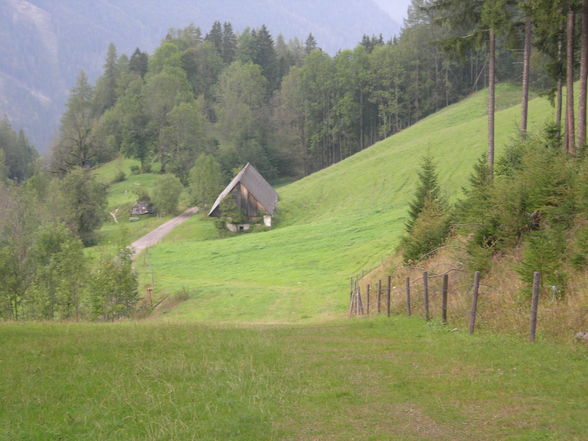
123	195
331	224
317	379
370	380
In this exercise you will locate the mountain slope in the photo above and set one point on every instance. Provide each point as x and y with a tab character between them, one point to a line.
46	43
332	224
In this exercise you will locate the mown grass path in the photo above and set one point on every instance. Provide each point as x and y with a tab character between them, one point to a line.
366	379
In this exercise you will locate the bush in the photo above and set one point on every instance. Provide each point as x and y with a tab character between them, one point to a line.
135	170
206	180
579	255
544	252
429	231
114	287
142	194
166	194
120	177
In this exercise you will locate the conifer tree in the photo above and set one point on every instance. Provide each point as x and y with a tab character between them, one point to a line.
75	147
310	44
229	47
139	62
264	55
105	96
427	190
215	36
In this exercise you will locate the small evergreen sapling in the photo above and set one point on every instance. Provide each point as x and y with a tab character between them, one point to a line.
429	222
428	188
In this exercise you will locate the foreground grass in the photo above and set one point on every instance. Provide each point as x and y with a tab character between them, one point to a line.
331	225
377	379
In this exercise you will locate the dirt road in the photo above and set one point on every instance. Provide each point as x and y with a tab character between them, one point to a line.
160	232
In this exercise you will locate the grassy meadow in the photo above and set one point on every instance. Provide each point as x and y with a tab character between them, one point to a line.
260	349
373	379
330	226
122	196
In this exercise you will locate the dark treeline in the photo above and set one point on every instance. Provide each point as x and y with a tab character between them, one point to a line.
287	107
18	158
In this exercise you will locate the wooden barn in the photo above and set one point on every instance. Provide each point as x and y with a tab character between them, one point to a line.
253	196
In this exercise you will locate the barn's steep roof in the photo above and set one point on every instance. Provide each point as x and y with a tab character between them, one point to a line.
257	186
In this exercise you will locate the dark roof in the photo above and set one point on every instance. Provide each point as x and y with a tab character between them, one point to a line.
257	186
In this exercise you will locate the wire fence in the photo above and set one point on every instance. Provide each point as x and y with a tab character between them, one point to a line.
418	296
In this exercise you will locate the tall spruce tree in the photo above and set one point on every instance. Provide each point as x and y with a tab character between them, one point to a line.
139	62
310	44
229	47
105	96
75	147
215	36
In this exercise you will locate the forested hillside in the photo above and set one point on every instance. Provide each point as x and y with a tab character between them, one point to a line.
47	43
288	107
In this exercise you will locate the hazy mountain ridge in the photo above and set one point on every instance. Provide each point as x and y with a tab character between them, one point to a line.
47	43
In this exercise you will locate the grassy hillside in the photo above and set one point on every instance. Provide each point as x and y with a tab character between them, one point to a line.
122	196
354	380
331	224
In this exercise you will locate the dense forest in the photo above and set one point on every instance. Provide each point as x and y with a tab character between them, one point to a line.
46	43
287	107
210	102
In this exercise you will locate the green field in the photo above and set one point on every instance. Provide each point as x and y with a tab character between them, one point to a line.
122	196
330	226
374	379
261	349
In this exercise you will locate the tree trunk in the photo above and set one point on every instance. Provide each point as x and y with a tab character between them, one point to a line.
559	87
583	76
491	98
526	63
570	126
361	118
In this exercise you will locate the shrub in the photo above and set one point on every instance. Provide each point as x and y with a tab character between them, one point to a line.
579	255
135	170
206	180
120	177
114	287
543	251
142	194
166	194
428	232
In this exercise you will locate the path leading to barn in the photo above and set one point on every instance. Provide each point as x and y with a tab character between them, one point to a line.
160	232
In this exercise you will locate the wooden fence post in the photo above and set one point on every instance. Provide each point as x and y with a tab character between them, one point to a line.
379	296
426	294
388	295
359	302
474	302
534	305
368	299
408	309
444	299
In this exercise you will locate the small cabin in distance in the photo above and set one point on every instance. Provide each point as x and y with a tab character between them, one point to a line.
254	197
